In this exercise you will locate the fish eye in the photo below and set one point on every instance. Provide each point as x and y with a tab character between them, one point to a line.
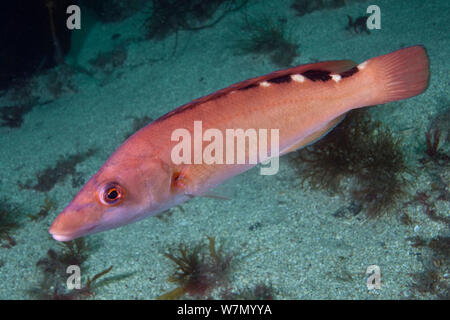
111	193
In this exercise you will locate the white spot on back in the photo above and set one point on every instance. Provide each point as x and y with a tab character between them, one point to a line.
297	77
264	84
336	77
362	65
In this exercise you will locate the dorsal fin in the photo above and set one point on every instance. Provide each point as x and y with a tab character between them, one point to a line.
336	66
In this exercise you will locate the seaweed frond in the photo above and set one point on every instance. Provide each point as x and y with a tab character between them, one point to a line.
91	282
380	183
432	138
187	263
433	279
437	138
433	152
9	221
357	25
138	123
428	203
12	116
337	155
170	16
49	204
49	177
358	149
266	36
303	7
74	252
53	283
58	291
195	273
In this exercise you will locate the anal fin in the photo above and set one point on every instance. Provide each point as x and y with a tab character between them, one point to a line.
315	136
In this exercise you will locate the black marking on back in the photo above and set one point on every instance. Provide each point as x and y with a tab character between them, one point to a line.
315	75
349	72
281	79
277	77
253	85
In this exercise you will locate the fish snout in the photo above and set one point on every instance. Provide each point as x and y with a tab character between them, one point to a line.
71	224
59	232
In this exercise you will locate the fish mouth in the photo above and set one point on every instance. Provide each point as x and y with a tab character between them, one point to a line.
68	236
62	237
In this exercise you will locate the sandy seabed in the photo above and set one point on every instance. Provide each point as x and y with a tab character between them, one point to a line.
280	231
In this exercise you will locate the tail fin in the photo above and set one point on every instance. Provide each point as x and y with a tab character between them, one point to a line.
399	75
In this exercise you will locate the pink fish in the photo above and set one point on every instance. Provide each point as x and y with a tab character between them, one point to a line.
303	103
